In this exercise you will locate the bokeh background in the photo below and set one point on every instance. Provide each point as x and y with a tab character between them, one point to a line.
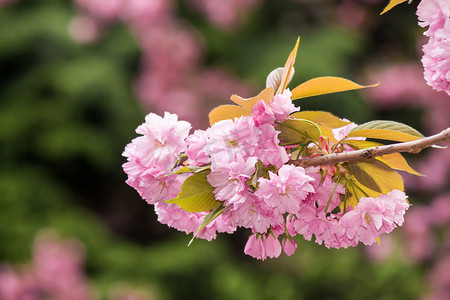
77	77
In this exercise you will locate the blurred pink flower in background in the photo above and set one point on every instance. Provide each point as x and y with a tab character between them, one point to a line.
84	29
403	86
56	273
172	74
382	251
224	14
400	86
4	2
439	280
351	14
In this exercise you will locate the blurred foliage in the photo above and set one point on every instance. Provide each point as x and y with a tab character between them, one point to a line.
67	111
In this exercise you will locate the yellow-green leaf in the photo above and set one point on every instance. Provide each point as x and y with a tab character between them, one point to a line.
356	190
196	194
225	112
391	4
325	85
394	160
321	118
386	130
375	175
297	131
327	133
211	216
266	95
398	162
288	69
193	169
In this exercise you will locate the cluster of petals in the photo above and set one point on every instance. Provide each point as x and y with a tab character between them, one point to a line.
436	59
250	175
371	218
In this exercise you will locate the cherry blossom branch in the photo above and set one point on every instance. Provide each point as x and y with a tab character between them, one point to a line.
411	147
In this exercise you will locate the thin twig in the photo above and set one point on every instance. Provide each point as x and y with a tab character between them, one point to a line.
411	147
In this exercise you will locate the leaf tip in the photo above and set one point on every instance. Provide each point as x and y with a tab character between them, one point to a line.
192	240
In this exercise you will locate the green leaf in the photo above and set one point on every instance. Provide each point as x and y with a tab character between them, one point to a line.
386	130
375	175
321	118
297	131
196	194
211	216
260	172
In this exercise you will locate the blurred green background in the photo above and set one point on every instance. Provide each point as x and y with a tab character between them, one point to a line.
68	108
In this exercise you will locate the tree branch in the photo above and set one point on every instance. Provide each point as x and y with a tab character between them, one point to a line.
411	147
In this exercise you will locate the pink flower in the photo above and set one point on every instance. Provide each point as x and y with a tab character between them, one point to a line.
272	246
289	246
341	132
196	151
152	157
230	182
436	58
282	106
325	192
167	135
268	150
254	246
228	140
433	13
285	191
263	246
370	219
278	109
262	114
436	61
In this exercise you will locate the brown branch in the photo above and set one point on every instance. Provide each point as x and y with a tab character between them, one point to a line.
411	147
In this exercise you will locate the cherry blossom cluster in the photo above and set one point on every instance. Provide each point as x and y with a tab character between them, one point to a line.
253	177
436	59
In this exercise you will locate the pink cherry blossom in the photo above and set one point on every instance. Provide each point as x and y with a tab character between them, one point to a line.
272	246
228	140
285	191
254	246
263	246
342	132
196	151
289	246
230	181
152	157
278	109
436	58
282	105
262	114
268	149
